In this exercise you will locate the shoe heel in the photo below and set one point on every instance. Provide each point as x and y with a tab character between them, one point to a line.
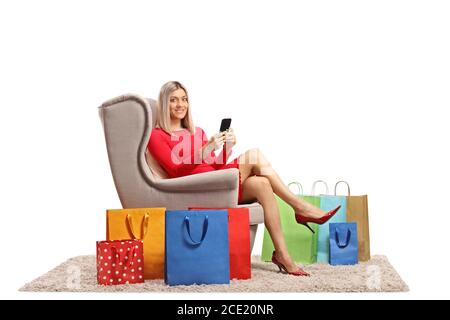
283	269
307	225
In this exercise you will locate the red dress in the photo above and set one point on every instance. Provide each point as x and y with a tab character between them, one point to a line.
179	154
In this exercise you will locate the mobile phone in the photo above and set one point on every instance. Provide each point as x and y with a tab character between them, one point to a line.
225	124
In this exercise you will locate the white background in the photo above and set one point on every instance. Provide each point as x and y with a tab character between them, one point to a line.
354	90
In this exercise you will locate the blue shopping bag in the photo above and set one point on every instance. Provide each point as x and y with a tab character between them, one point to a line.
327	203
343	243
197	247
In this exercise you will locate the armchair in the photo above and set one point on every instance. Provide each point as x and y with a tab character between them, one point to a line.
139	180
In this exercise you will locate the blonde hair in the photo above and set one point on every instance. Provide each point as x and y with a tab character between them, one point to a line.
163	120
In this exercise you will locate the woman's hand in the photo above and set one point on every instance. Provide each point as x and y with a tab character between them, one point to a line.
230	138
216	142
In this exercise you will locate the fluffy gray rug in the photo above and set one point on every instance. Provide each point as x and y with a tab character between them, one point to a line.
377	275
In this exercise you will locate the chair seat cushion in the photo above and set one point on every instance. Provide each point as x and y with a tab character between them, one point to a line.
256	212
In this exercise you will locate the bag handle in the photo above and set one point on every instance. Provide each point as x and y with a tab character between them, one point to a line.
313	190
188	227
342	181
144	226
125	257
299	186
338	240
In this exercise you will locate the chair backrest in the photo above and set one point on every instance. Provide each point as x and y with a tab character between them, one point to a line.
127	123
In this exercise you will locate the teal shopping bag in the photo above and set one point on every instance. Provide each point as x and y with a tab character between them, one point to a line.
327	203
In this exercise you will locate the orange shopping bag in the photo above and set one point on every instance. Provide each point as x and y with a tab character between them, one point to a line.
147	224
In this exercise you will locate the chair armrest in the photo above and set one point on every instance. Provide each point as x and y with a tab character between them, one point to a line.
226	179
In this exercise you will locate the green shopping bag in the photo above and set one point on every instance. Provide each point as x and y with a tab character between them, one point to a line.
301	243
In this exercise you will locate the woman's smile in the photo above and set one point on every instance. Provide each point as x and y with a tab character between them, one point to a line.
180	112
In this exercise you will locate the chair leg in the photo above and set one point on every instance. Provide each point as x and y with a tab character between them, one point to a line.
253	229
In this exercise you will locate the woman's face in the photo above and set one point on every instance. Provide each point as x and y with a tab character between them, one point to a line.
178	104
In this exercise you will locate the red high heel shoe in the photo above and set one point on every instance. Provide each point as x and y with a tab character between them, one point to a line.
283	268
303	220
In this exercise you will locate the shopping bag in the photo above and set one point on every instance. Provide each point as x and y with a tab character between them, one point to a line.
358	211
343	243
146	224
300	241
327	203
197	247
239	241
120	262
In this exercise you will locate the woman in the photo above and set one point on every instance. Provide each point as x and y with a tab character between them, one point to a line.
182	149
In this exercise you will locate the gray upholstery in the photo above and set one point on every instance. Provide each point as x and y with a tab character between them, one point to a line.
127	123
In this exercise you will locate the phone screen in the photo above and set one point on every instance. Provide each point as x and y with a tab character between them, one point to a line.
225	124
